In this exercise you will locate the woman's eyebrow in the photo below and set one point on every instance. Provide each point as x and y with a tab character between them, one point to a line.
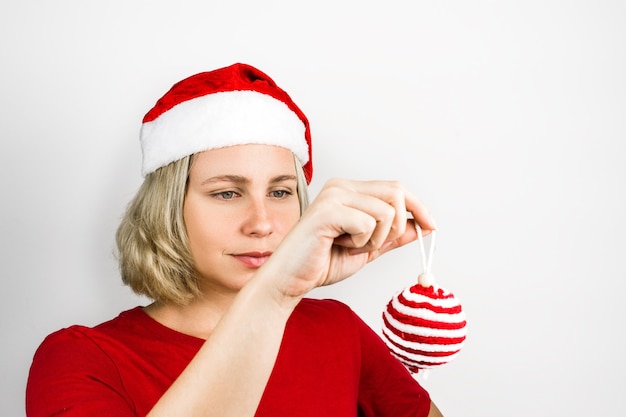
281	178
226	178
238	179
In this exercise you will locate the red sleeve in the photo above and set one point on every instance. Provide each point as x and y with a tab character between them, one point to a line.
72	377
387	389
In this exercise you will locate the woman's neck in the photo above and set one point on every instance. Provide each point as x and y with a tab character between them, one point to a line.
198	318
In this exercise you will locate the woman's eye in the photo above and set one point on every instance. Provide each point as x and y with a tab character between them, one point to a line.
280	193
225	195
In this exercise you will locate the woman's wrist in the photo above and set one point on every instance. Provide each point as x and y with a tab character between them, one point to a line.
266	286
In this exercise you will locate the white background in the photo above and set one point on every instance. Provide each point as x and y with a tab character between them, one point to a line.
508	119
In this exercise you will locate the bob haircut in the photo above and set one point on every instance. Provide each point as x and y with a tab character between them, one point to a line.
152	245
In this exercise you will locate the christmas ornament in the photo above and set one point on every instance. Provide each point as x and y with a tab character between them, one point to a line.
424	325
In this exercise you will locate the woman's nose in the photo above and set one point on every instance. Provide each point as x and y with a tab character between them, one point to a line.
257	220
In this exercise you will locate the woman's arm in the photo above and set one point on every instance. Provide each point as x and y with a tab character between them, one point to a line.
229	373
348	225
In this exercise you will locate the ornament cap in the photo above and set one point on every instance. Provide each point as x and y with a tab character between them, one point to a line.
426	279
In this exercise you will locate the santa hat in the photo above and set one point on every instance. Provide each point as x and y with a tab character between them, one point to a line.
235	105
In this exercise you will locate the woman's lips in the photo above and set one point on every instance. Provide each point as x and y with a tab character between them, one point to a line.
252	259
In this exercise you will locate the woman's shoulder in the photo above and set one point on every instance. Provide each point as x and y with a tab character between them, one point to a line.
80	352
77	361
323	306
66	342
326	313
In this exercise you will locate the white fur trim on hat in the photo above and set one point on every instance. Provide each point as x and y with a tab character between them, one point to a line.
218	120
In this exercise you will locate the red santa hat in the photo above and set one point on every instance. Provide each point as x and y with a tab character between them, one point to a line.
235	105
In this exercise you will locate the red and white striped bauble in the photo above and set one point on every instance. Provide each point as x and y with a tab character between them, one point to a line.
424	326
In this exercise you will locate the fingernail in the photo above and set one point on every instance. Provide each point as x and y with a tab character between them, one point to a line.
432	222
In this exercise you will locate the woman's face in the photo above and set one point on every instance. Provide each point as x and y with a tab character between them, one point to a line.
240	203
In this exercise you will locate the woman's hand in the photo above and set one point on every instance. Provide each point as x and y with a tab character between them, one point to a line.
349	224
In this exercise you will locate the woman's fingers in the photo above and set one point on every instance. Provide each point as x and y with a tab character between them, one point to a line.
353	220
396	195
420	213
392	193
364	230
387	203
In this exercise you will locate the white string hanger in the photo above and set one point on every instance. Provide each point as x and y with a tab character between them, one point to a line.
426	278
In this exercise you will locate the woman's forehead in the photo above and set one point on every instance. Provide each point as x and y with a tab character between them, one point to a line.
251	161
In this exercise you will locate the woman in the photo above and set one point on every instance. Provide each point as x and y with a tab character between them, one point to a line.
220	237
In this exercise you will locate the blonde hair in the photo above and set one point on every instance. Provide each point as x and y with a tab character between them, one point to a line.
152	245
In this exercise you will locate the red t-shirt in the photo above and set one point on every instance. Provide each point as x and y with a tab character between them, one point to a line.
330	364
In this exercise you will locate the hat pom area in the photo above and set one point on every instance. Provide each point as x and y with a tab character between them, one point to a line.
235	105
